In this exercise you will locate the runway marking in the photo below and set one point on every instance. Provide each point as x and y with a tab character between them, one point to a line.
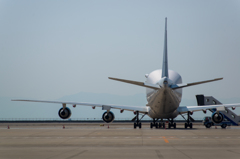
165	139
115	137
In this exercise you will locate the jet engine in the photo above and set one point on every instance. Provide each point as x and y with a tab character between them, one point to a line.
64	114
217	117
108	117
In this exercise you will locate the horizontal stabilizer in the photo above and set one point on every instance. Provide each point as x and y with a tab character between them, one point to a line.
143	84
177	86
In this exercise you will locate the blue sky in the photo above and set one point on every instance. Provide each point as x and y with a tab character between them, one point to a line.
51	49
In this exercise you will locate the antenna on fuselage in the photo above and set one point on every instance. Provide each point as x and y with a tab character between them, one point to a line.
165	58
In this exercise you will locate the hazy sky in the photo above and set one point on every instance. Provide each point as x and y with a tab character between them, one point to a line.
49	49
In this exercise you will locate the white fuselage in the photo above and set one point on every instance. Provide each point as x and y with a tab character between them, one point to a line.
164	102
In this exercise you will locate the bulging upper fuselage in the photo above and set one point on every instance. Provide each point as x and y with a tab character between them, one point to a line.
163	102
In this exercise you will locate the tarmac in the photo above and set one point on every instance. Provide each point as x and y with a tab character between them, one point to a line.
120	140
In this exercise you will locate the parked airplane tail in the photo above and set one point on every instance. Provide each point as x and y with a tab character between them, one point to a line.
165	57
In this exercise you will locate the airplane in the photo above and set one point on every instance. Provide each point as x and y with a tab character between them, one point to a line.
164	94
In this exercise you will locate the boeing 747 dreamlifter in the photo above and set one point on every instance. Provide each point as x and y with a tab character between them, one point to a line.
164	93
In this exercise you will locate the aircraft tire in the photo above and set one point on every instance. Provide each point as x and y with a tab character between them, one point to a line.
156	125
224	126
190	125
160	125
208	125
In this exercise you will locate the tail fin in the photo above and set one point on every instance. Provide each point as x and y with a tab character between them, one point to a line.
165	59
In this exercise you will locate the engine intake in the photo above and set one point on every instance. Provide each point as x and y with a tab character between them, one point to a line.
217	117
108	117
64	114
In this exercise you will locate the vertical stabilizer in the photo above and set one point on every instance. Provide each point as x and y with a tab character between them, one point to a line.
165	58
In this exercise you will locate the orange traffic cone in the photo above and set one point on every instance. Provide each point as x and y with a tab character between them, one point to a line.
108	126
215	127
63	127
8	127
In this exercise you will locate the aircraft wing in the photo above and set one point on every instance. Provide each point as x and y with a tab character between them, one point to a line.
177	86
219	107
141	109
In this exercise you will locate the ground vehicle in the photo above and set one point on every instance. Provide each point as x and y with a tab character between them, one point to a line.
207	121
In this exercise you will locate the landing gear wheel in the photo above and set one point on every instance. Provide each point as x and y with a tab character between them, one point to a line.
135	125
190	125
140	125
163	125
160	125
224	126
169	125
151	125
208	125
156	125
174	125
186	125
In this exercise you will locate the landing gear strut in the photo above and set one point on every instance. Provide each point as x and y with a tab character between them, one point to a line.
188	124
138	123
171	124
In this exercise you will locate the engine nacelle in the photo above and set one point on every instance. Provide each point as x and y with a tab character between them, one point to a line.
217	117
64	114
108	117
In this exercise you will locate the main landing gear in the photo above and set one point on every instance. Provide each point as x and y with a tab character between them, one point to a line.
138	123
188	124
157	125
171	124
